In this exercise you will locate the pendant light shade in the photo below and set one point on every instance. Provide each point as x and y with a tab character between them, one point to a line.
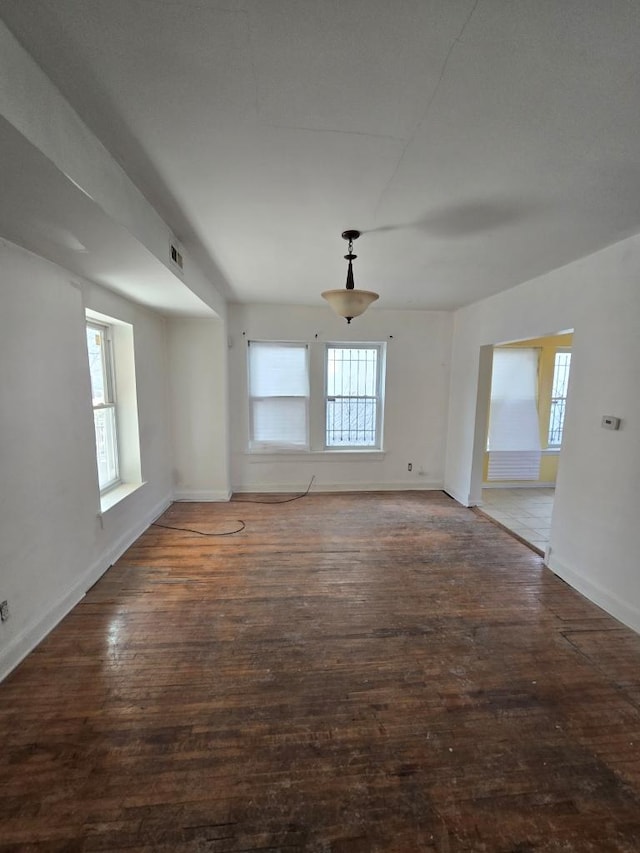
350	302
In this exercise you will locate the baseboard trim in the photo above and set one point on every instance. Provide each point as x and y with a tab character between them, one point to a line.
27	640
127	539
34	633
458	497
296	488
206	496
608	601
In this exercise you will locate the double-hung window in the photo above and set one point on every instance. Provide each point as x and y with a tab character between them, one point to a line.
278	395
353	398
315	396
99	347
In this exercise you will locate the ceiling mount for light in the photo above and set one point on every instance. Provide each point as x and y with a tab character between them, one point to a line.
350	302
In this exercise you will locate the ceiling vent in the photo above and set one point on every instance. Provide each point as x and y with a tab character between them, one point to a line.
176	256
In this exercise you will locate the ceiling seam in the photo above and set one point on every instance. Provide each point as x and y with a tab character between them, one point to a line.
252	62
425	114
334	130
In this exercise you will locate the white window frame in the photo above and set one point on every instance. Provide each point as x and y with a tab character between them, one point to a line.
125	397
277	444
110	402
378	397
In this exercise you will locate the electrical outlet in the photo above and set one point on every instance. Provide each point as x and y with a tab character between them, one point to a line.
410	466
4	611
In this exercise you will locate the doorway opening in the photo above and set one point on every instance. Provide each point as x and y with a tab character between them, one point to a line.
523	434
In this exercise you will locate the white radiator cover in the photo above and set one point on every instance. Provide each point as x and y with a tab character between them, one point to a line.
514	465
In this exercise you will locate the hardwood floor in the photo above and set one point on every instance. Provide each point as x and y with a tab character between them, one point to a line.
351	672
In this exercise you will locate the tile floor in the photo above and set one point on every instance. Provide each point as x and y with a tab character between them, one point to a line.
525	511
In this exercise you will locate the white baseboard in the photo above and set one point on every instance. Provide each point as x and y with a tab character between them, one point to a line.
127	539
33	634
206	496
465	501
607	600
297	488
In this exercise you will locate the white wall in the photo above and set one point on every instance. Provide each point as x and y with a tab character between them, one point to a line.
417	382
595	538
199	408
53	546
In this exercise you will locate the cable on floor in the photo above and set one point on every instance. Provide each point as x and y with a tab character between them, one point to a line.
285	501
235	500
200	532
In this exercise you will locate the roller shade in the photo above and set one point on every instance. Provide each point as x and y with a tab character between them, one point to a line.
514	433
278	394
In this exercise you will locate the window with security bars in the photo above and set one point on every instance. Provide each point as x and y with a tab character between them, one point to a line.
559	389
104	404
353	396
278	395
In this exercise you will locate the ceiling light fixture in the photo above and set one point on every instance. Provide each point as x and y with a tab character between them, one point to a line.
350	302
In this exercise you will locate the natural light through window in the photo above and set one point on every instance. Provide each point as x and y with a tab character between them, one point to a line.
353	404
104	406
560	385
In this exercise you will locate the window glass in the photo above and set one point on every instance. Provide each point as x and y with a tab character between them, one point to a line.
353	404
95	348
559	390
104	408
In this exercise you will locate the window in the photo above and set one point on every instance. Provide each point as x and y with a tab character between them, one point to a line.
112	372
353	396
278	395
315	397
559	388
104	404
513	438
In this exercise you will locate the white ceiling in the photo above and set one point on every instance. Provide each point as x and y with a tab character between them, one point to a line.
476	143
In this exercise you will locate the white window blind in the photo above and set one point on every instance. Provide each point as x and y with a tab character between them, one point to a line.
514	432
278	394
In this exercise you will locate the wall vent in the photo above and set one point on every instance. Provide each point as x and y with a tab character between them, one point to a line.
176	256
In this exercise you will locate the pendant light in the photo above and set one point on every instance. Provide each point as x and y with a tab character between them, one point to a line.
350	302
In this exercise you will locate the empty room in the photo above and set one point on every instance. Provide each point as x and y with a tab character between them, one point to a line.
319	366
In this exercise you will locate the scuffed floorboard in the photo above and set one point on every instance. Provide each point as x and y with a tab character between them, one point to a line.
351	672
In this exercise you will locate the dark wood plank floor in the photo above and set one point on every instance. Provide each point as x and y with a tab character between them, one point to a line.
352	672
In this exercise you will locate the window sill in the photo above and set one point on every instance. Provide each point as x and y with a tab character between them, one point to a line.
115	496
257	456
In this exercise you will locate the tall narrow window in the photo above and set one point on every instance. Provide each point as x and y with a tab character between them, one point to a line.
353	396
559	389
278	395
104	404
